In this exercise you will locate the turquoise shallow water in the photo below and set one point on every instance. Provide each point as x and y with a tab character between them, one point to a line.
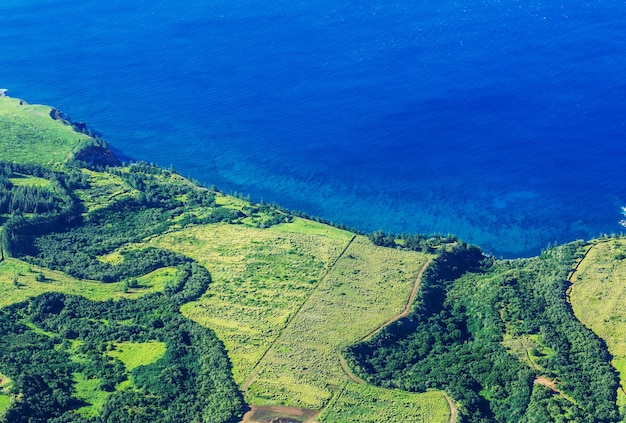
499	121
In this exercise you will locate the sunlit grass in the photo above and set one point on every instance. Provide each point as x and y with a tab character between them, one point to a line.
366	287
369	404
20	281
135	354
29	135
598	298
260	278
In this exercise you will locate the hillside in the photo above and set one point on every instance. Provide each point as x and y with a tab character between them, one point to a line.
131	294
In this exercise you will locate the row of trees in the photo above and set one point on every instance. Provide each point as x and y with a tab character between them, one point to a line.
453	340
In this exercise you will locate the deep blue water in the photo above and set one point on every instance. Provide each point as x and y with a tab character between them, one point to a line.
499	121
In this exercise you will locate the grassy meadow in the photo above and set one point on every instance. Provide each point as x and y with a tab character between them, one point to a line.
598	297
5	397
20	281
135	354
29	135
259	279
367	286
368	404
287	299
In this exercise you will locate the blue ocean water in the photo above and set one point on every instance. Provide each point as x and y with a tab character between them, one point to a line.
501	121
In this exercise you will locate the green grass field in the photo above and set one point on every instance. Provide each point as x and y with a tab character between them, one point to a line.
260	278
18	282
368	404
103	188
89	391
32	181
598	297
367	286
29	135
135	354
5	397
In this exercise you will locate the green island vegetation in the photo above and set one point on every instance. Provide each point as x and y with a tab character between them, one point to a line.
597	297
131	294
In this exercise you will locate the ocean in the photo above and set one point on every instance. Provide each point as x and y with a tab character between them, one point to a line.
500	121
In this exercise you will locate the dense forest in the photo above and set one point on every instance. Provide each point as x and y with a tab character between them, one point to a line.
460	338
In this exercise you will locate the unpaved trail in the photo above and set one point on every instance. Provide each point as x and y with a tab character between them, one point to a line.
548	383
453	410
344	366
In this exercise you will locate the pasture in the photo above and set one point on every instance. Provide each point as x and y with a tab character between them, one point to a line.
367	286
29	135
598	295
20	281
135	354
260	278
368	404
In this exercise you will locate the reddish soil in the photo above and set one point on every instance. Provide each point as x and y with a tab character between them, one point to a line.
279	414
542	380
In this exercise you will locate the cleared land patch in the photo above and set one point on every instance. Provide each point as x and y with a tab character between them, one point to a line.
89	391
367	286
598	298
369	404
103	188
30	181
260	278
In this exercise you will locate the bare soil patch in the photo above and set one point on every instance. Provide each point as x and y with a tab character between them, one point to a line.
279	414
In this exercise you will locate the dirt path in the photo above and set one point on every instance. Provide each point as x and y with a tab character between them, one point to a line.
548	383
255	372
453	410
354	378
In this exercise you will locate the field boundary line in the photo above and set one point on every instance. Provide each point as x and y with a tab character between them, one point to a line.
256	370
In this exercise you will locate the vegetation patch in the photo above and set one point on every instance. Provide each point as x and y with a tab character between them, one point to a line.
135	354
369	404
5	394
102	188
260	279
366	287
30	181
88	390
468	308
20	281
29	135
598	298
69	355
